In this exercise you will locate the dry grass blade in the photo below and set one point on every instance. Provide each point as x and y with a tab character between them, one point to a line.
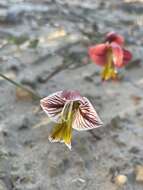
20	86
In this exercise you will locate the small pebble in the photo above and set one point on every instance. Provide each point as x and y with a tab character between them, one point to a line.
23	94
134	150
139	173
2	185
120	180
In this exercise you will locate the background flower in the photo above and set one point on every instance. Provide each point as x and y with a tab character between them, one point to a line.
110	54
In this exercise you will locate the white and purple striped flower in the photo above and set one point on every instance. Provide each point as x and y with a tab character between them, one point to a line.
68	109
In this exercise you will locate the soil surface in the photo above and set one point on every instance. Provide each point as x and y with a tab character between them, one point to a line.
43	45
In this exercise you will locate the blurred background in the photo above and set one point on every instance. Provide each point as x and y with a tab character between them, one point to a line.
43	45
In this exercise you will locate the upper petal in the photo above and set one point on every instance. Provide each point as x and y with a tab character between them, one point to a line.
117	54
98	53
86	117
127	56
53	105
71	95
114	37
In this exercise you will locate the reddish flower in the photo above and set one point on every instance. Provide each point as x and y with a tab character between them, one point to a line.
68	109
110	55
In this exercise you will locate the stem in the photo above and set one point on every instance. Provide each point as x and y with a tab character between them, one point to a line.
35	96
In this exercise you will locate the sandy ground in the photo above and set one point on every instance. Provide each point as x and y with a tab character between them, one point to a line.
64	29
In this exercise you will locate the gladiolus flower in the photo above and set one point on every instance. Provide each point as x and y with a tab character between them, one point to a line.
69	110
110	54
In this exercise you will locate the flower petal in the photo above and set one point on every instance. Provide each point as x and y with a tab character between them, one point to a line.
53	105
98	53
117	54
109	73
86	117
114	37
62	132
127	56
71	95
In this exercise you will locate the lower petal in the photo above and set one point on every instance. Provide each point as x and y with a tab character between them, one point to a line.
109	73
62	133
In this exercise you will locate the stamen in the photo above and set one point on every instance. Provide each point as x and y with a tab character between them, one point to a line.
64	113
70	111
68	107
109	71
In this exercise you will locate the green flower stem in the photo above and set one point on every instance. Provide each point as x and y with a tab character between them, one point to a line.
34	95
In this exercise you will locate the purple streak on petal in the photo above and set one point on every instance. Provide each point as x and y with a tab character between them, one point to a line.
86	117
53	106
